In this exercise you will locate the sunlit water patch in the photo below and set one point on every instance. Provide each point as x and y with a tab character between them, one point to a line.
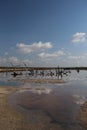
82	75
9	83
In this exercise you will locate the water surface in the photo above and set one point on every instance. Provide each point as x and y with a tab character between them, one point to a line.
59	102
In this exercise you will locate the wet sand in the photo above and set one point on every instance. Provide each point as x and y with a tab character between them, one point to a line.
82	116
9	119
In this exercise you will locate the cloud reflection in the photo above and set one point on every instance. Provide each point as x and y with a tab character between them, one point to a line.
79	99
42	91
37	90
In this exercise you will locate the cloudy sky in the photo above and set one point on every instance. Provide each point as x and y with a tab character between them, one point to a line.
43	32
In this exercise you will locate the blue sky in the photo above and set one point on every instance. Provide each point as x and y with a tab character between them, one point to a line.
43	32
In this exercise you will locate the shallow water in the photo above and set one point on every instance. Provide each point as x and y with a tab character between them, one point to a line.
59	102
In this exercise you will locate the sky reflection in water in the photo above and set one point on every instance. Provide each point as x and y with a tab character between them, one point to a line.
60	103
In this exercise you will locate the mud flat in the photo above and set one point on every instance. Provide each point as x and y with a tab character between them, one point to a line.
82	116
10	119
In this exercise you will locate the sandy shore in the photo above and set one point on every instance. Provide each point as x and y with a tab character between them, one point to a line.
82	116
10	119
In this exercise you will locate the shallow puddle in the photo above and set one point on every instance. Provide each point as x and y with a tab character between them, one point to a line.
59	102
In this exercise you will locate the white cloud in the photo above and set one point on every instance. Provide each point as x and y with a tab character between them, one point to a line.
78	37
13	59
17	61
3	60
60	58
27	62
75	57
76	60
44	55
9	60
23	48
6	53
79	57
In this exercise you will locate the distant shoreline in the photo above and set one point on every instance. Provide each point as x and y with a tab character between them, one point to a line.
12	69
